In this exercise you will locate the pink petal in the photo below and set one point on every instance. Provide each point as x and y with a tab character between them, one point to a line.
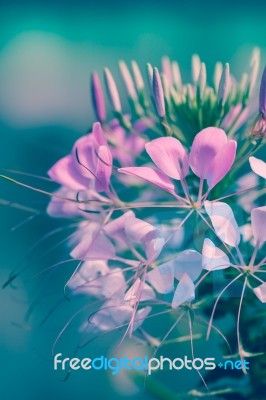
89	278
212	257
139	291
151	175
65	173
223	222
258	166
221	164
93	159
61	206
206	145
114	284
189	262
258	223
162	278
98	134
185	291
103	169
169	155
136	229
111	315
93	244
116	228
153	246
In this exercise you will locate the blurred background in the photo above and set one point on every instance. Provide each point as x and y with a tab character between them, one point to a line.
47	52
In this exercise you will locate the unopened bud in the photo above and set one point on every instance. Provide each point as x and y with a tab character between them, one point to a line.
224	85
158	93
112	90
167	69
98	97
202	80
195	67
177	80
255	65
218	70
262	98
150	76
128	81
137	76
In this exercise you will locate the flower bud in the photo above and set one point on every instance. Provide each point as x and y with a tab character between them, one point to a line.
255	65
128	81
177	80
262	98
167	70
137	76
195	67
218	70
202	80
150	75
158	93
98	97
224	85
112	90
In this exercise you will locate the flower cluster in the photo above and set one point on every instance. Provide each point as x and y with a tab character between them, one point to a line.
157	192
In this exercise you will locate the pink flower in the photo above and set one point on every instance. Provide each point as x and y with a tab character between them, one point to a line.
212	156
88	166
115	314
227	230
186	268
129	230
95	278
64	204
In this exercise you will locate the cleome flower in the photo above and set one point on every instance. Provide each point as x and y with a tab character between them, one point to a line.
211	158
166	163
227	230
89	166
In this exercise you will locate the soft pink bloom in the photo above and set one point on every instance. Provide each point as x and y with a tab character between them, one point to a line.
227	230
128	229
186	268
115	314
88	166
226	227
95	278
213	258
91	243
212	156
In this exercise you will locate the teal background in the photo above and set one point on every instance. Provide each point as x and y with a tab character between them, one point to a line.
47	51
